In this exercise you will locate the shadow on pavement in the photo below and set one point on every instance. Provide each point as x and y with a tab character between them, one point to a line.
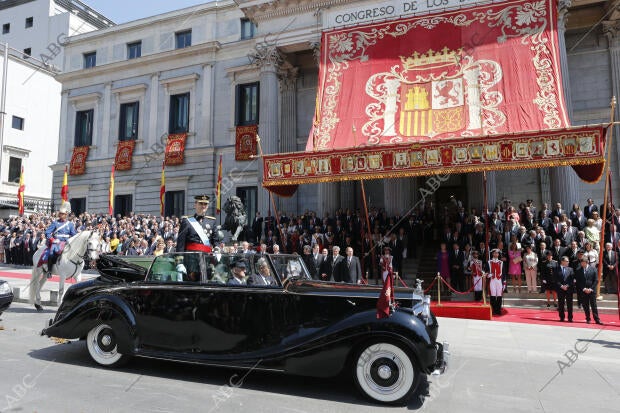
338	389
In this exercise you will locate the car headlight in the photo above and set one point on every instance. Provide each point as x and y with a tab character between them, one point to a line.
5	288
423	310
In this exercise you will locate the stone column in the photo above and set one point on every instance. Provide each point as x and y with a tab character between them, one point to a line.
347	194
105	145
267	59
491	190
152	137
563	181
329	198
396	195
66	138
205	130
288	125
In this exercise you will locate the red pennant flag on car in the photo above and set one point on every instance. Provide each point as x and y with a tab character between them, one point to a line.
20	194
162	189
386	297
64	191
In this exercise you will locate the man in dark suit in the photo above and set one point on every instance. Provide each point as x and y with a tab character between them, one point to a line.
309	260
264	277
324	266
564	279
353	268
557	211
589	209
566	236
333	265
558	250
586	279
456	267
610	260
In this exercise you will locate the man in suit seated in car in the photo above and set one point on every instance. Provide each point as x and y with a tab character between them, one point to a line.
238	272
264	277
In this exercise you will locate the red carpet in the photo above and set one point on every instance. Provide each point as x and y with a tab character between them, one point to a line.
7	274
470	310
550	317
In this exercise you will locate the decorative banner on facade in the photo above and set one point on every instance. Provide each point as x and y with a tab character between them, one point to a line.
175	149
124	154
485	70
245	142
78	160
573	146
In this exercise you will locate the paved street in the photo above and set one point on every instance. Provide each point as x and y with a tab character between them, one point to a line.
494	367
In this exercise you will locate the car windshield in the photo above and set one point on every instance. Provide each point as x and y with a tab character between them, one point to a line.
195	267
289	266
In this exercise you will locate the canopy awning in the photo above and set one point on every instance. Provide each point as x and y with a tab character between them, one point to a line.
560	147
461	90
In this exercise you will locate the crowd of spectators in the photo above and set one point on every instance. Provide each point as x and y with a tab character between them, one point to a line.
528	238
510	229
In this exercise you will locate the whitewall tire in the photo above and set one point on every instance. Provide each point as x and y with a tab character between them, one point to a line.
103	347
385	373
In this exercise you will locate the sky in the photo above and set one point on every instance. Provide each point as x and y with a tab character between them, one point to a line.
122	11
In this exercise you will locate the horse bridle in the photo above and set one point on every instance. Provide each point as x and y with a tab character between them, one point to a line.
84	257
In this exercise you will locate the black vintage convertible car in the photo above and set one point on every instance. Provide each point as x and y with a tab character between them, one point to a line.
189	307
6	296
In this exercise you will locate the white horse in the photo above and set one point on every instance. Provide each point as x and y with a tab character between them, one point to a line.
79	248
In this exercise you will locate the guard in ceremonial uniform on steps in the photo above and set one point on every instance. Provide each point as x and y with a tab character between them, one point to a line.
194	232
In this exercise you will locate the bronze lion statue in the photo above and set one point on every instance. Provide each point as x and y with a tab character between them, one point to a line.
236	217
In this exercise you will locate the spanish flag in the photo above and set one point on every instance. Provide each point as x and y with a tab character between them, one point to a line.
162	189
218	188
111	193
20	194
64	191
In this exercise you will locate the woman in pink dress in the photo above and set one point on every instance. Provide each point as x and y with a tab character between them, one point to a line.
514	265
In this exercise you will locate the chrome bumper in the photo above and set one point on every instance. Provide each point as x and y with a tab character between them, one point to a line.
443	355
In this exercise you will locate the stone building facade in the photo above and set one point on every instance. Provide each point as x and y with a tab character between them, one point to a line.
268	51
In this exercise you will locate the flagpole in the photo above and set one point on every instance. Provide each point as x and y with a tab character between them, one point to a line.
606	174
273	202
486	231
372	248
613	242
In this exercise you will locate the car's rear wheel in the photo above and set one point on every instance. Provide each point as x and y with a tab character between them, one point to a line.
103	346
385	373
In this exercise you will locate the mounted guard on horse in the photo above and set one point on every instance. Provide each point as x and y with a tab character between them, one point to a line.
57	235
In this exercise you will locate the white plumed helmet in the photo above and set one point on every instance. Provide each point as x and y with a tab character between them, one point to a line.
65	208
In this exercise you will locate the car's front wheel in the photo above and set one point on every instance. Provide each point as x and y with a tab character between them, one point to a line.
103	347
385	373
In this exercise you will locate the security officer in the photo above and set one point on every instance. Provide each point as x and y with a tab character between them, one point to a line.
58	233
194	232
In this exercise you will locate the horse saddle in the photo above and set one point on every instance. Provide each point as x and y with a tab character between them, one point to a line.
48	253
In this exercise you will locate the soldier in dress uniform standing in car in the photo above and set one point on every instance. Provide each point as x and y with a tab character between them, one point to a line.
194	236
194	231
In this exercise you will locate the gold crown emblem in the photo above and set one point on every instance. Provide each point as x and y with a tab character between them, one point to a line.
431	57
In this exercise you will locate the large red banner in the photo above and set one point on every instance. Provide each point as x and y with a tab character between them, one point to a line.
245	142
175	149
486	70
78	160
124	155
